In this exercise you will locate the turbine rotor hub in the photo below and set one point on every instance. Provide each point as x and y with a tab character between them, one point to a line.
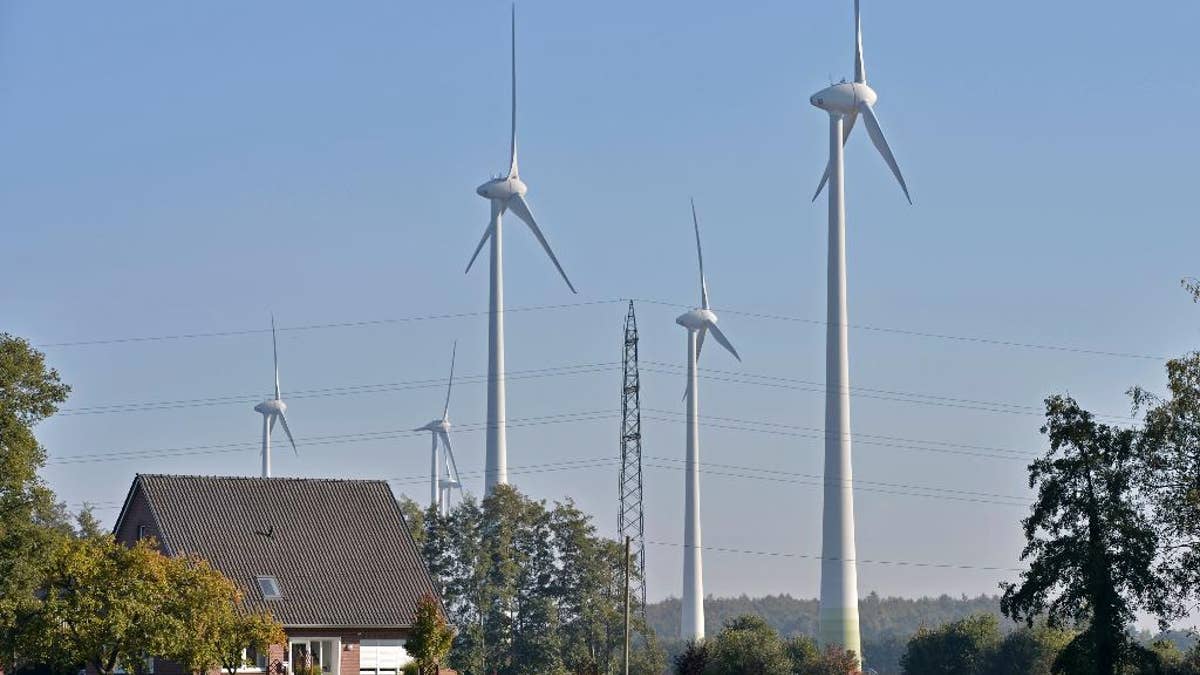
271	406
844	97
696	319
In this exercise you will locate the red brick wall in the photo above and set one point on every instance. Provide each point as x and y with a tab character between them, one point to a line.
137	515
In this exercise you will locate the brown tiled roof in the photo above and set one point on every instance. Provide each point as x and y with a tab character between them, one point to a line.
340	548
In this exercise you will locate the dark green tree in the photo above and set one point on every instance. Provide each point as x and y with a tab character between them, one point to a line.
962	647
693	660
1090	547
1170	450
30	519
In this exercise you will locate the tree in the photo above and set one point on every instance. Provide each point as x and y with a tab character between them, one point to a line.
1192	286
1090	547
747	644
202	606
960	647
693	659
431	635
1170	448
1029	651
245	631
30	519
103	605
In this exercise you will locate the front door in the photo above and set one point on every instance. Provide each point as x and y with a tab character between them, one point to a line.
307	654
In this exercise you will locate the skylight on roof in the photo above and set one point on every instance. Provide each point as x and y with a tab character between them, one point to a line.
270	588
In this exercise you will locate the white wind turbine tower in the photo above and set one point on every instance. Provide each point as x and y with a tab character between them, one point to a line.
272	410
504	193
439	433
845	102
698	322
449	483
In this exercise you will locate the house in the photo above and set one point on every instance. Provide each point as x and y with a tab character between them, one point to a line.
332	560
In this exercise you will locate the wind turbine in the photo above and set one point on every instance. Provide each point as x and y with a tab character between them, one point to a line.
439	430
698	322
449	483
845	102
506	193
273	409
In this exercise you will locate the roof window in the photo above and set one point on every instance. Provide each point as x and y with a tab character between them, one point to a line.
270	588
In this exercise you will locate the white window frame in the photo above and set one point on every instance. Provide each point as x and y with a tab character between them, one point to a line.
334	668
379	642
255	668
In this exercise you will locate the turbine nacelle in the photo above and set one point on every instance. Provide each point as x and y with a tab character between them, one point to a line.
844	97
271	407
435	426
697	319
502	189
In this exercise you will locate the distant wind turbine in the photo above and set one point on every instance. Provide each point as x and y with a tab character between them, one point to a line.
698	322
272	410
439	432
845	102
504	193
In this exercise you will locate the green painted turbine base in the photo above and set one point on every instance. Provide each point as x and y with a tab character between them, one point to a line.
839	626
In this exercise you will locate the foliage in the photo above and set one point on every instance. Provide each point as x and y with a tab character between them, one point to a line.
201	604
1029	651
958	647
1192	286
30	520
103	605
1091	549
431	636
886	623
693	660
747	644
244	630
530	588
1170	448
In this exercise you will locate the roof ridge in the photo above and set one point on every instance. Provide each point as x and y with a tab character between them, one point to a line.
261	478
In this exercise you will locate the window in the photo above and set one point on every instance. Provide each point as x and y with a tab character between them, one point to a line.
251	655
323	652
382	657
143	532
270	588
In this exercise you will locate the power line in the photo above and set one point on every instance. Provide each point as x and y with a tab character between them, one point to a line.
317	326
345	390
750	314
912	333
809	556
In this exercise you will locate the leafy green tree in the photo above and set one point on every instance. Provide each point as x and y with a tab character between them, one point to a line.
202	605
414	517
247	631
693	660
431	636
1029	651
103	605
747	644
1091	549
961	647
30	519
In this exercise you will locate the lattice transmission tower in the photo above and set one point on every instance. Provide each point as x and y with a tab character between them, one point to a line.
631	521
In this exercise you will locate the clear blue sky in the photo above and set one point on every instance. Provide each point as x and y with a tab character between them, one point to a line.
174	168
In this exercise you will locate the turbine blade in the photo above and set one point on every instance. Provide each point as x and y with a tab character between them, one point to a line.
700	255
512	168
881	145
275	353
271	427
450	384
286	430
519	206
847	125
860	67
482	240
700	341
450	458
724	341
